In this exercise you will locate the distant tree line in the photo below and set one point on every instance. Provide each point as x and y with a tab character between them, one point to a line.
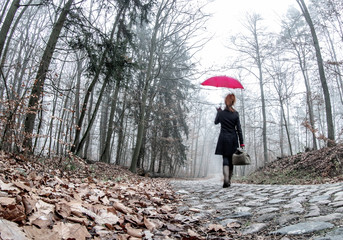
113	81
105	80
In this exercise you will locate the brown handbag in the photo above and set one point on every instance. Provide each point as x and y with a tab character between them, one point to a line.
241	157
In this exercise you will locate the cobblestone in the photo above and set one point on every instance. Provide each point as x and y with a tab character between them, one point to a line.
314	211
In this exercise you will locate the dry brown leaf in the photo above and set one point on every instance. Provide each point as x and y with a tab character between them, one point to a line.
6	201
191	233
7	187
133	231
28	204
174	228
80	220
234	225
123	236
105	200
121	207
10	230
23	186
105	216
149	224
63	209
44	221
33	232
167	208
13	212
71	231
216	228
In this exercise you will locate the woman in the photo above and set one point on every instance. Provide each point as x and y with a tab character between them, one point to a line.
230	132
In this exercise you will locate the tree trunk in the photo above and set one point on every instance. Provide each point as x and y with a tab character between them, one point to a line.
105	156
330	125
8	22
75	146
37	88
264	117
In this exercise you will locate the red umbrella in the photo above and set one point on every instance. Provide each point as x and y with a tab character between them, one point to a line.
222	81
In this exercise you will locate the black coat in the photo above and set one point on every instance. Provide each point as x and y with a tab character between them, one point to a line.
230	132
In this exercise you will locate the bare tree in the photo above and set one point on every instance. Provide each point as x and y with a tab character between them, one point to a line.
330	126
38	85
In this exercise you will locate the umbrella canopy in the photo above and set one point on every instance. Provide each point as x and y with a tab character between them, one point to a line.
222	81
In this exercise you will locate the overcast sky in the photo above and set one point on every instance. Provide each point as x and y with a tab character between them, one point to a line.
226	20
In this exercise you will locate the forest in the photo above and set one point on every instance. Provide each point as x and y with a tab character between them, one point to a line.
117	81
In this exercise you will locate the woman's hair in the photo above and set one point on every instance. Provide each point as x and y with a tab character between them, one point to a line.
230	100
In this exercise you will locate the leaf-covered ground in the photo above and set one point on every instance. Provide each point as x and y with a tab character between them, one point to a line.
313	167
66	198
72	200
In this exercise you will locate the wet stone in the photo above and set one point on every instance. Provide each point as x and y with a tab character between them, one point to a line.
320	199
314	211
254	228
268	210
285	219
339	210
336	204
328	218
241	215
227	221
277	200
303	228
266	217
291	209
254	204
333	235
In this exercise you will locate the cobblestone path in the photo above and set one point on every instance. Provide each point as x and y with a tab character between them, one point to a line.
284	211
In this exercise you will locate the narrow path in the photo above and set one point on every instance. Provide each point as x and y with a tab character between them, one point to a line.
272	211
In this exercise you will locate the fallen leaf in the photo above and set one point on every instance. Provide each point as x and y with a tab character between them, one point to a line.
216	228
149	224
71	231
6	201
33	232
28	204
13	212
7	187
44	221
10	230
106	217
80	220
63	209
234	225
133	231
23	186
121	207
191	233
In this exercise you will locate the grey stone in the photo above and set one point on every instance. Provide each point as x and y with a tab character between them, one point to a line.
268	210
336	204
277	200
303	228
314	211
227	221
254	228
333	235
266	217
285	219
182	191
340	210
241	215
322	198
327	218
254	204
